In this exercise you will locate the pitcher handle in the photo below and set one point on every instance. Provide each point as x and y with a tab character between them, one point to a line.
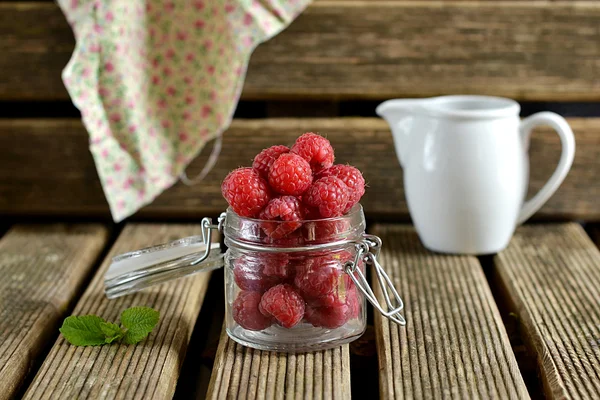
567	140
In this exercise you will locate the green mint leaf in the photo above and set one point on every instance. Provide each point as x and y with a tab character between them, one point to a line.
84	330
111	332
139	322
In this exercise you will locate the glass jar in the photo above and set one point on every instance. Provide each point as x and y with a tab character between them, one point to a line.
286	288
290	286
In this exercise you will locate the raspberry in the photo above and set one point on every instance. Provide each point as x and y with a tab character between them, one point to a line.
283	303
326	230
335	315
327	317
265	159
293	239
290	174
245	191
245	311
284	208
276	265
249	273
352	178
310	213
319	277
322	280
353	301
329	194
315	149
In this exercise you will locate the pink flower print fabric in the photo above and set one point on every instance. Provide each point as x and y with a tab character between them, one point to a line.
156	79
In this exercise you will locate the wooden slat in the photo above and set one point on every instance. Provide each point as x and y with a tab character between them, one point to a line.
42	269
45	167
37	43
551	274
148	370
243	373
454	344
366	49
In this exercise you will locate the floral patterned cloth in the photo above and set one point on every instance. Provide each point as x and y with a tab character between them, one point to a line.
156	79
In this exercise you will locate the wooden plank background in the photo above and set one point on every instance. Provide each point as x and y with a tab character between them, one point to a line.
520	49
47	168
43	268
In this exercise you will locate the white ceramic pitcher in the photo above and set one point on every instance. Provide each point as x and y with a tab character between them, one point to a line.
466	168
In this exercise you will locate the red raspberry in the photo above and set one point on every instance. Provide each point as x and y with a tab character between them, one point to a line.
249	273
290	174
327	317
310	213
245	191
352	178
319	277
329	194
353	301
276	265
326	230
315	149
245	311
265	159
294	239
322	280
337	314
283	303
284	208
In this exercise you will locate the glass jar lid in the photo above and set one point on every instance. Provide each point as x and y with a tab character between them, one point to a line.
139	269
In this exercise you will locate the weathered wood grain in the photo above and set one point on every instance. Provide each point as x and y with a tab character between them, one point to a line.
551	275
45	168
243	373
148	370
454	344
366	49
43	268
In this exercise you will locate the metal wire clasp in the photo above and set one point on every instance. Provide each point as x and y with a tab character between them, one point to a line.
367	250
207	228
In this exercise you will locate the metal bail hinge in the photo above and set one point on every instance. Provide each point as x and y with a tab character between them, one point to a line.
136	270
367	250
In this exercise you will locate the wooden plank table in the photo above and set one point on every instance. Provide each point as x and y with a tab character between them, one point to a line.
454	345
43	268
243	373
147	370
552	275
459	309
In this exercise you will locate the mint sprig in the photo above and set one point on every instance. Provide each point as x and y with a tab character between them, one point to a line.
139	322
91	330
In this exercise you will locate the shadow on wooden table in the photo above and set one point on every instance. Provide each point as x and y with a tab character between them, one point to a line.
200	357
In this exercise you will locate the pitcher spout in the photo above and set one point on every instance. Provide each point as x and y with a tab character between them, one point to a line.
399	114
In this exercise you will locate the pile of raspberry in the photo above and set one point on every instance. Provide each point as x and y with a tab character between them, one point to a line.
290	190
